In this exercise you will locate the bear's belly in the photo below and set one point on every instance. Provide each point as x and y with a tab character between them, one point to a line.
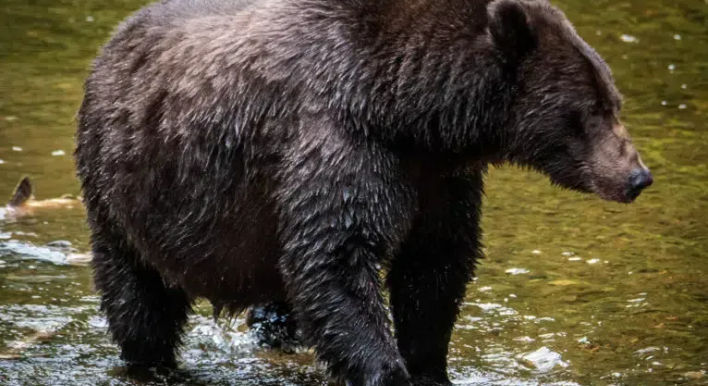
244	273
232	261
243	270
236	282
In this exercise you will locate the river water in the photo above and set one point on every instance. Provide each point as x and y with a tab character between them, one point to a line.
574	290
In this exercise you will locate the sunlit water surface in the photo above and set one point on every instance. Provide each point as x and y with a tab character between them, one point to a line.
573	291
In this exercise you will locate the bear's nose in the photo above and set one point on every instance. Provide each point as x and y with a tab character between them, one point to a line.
638	180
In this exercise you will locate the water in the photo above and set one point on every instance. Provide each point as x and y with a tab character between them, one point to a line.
574	290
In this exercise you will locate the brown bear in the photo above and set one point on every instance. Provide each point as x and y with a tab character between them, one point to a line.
284	151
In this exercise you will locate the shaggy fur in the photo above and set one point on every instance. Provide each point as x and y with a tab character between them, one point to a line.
285	150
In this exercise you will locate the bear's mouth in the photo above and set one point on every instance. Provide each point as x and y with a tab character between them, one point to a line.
616	192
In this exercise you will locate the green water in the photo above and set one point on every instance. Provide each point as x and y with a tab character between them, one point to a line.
615	294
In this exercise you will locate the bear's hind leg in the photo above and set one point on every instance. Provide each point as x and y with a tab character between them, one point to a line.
274	325
144	317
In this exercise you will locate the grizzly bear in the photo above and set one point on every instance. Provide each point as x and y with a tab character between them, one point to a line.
286	151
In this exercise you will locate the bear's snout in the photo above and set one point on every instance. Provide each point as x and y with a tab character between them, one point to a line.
639	179
618	172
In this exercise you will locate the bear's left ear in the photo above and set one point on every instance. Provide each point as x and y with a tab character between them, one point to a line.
510	28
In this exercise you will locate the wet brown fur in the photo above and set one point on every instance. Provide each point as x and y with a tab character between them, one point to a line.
286	150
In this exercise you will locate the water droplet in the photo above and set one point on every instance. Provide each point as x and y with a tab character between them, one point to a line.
684	86
677	37
593	261
672	67
16	148
517	271
664	103
682	106
89	19
628	38
58	153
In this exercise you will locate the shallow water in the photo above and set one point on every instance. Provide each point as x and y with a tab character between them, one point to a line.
574	290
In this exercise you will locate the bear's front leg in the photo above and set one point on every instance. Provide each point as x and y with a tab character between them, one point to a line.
339	306
428	277
343	210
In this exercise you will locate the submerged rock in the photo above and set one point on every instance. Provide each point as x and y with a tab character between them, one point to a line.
543	359
694	375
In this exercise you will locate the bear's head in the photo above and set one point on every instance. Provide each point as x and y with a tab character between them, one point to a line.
564	117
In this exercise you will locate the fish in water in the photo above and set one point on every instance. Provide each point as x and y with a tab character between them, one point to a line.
22	202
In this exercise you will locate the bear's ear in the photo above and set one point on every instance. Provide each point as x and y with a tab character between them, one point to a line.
510	28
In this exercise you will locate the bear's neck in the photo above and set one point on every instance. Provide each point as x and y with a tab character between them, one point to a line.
435	87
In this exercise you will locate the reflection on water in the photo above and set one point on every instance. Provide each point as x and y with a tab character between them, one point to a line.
574	290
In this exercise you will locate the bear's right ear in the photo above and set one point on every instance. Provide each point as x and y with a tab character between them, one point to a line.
510	28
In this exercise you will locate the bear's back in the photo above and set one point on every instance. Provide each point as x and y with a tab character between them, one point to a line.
175	11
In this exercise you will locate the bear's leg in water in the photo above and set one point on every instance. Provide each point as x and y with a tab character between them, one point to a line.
144	317
274	325
333	243
428	277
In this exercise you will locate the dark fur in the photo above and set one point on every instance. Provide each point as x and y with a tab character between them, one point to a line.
269	151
